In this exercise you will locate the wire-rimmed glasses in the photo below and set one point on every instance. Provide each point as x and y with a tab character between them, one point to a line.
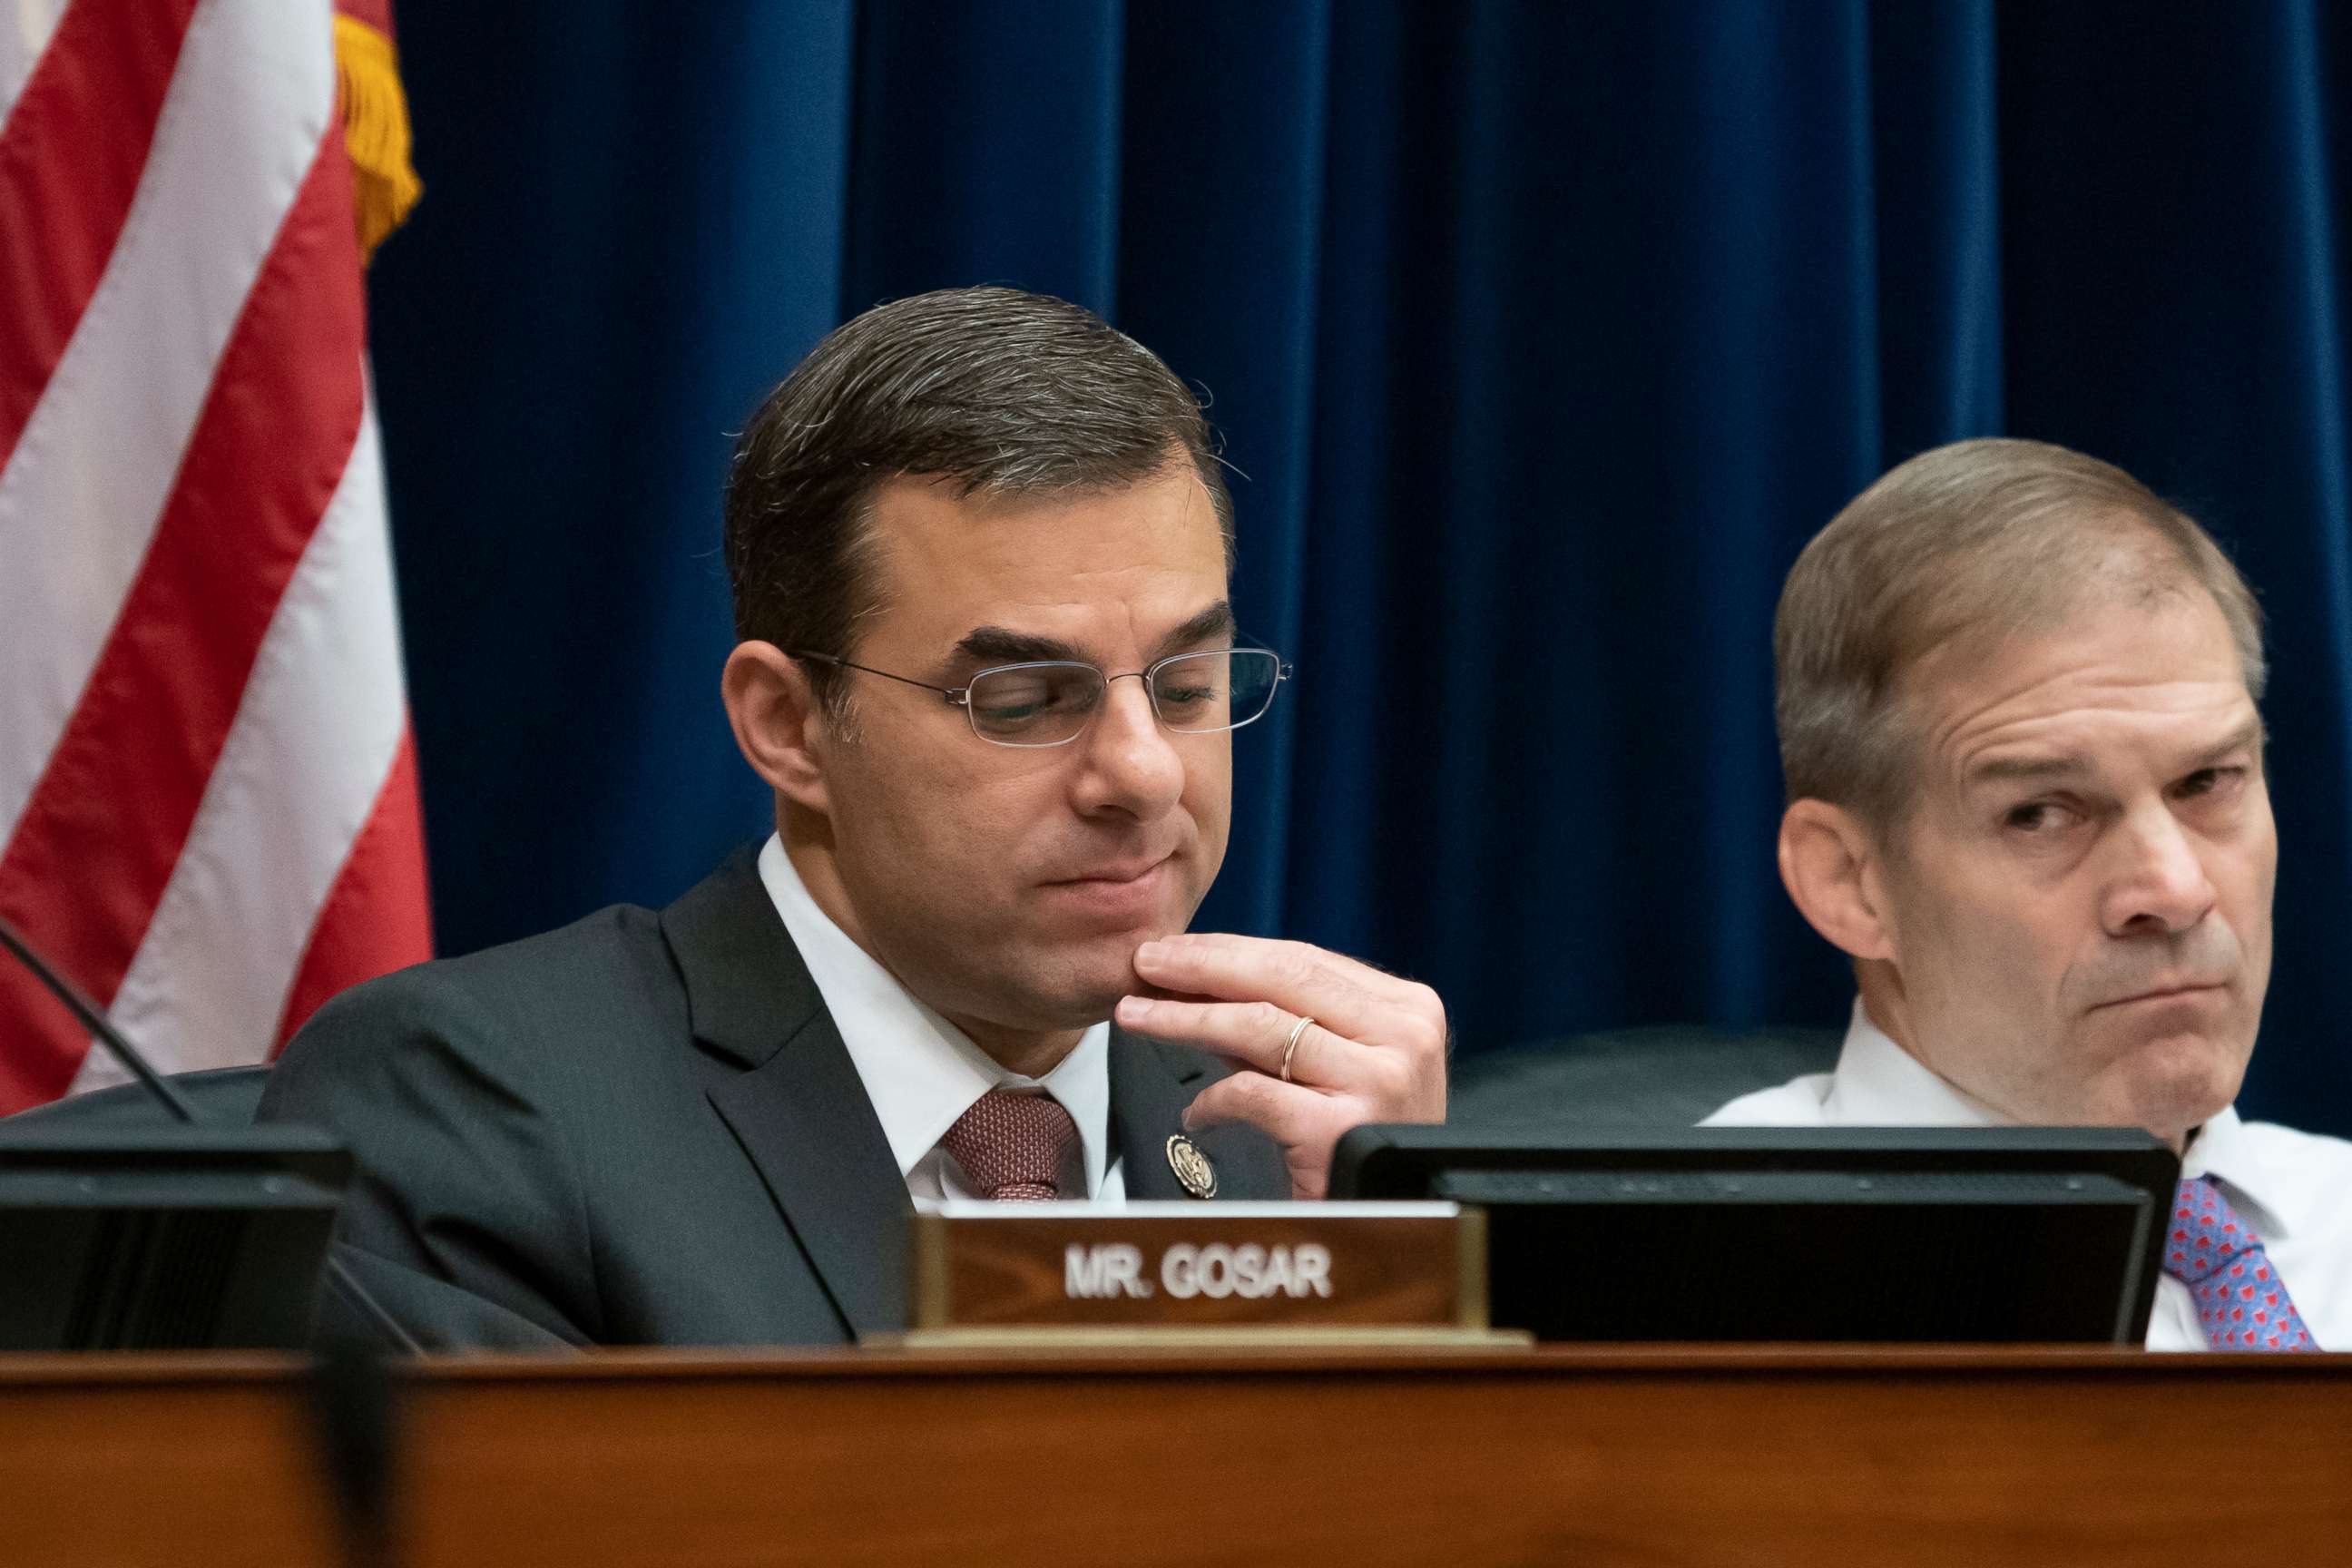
1050	703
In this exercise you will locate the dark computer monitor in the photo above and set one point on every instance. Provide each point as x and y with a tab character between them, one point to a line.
166	1237
1957	1235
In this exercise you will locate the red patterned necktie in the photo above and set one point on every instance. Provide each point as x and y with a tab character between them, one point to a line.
2240	1300
1013	1147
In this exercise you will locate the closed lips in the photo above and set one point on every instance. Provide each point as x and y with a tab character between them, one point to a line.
1126	873
2159	993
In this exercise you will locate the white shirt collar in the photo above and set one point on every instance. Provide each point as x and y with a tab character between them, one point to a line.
2270	1199
920	1071
1879	1083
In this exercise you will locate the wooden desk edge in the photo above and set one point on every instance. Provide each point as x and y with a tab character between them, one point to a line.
703	1363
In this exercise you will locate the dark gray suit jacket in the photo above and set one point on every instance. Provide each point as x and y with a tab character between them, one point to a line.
645	1129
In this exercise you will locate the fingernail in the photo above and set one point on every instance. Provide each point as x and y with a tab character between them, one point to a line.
1151	952
1131	1008
1185	1120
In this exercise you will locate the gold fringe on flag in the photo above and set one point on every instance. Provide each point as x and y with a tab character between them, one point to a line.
375	130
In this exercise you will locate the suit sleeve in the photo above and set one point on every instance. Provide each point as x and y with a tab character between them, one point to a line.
465	1220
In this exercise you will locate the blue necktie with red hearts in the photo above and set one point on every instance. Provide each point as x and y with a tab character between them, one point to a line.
2241	1299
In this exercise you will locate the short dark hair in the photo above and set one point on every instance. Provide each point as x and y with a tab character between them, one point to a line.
1979	540
994	389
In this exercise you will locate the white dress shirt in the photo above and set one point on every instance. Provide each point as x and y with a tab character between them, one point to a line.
2294	1188
922	1072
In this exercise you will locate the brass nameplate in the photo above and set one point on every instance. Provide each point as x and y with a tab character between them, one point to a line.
1191	1265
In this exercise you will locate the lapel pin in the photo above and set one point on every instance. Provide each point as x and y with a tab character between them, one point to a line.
1192	1167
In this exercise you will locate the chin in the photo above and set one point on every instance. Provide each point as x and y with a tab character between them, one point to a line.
2179	1082
1075	989
1071	972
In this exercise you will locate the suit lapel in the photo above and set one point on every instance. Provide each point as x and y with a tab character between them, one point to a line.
1151	1082
798	1108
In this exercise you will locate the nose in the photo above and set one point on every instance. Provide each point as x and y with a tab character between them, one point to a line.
1132	766
2159	885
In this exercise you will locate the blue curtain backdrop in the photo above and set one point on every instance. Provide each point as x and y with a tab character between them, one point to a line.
1545	334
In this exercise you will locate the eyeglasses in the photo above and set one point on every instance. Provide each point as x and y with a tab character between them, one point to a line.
1050	703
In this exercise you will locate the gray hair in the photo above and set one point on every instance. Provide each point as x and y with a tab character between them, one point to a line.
1979	538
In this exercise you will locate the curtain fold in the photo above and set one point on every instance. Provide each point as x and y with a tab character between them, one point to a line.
1541	338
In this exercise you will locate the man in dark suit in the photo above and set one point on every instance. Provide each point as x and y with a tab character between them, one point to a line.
980	546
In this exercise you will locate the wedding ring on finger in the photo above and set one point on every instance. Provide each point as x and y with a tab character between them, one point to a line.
1291	1045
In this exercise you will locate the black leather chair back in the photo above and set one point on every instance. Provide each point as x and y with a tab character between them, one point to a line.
226	1095
1672	1075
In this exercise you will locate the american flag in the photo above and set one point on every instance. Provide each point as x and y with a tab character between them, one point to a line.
208	810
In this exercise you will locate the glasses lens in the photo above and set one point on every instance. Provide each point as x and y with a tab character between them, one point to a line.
1207	691
1033	704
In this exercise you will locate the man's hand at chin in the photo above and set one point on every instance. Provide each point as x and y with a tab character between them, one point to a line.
1373	1051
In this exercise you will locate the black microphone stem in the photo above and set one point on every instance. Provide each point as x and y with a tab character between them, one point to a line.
106	1033
95	1022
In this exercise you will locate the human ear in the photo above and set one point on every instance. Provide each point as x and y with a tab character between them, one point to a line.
778	722
1831	867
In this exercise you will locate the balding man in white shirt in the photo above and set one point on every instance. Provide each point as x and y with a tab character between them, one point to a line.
2017	713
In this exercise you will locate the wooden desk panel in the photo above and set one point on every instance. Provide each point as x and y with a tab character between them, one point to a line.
1555	1457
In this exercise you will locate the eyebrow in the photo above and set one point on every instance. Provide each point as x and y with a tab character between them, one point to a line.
2043	770
1216	621
1002	645
2013	770
2247	736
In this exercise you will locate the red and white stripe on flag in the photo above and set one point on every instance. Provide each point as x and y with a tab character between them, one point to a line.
209	809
